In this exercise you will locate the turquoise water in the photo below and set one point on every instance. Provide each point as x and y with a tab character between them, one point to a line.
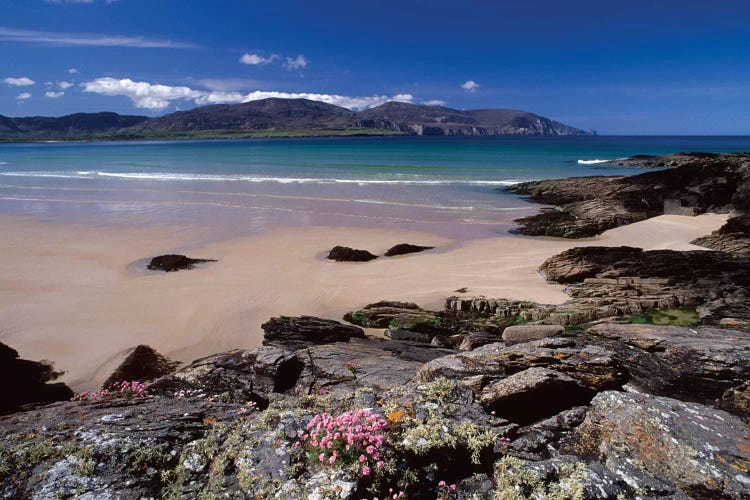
450	185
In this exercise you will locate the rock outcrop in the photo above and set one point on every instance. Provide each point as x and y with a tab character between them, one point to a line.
606	282
293	333
27	382
537	418
173	262
595	368
588	206
693	364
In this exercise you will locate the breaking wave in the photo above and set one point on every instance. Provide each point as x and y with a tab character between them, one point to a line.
84	174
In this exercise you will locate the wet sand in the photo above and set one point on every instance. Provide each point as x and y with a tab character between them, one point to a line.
79	294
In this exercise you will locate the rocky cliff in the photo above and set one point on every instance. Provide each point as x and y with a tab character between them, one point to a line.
414	119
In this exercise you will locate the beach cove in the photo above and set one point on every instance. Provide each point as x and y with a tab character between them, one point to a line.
80	295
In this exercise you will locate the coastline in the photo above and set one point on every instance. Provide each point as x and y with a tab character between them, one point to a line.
74	294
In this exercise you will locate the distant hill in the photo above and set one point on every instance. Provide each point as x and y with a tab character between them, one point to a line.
289	117
66	127
437	120
264	114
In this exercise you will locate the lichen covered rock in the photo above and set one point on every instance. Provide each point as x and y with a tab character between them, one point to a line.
702	451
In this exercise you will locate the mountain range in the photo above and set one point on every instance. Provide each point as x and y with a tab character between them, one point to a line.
285	117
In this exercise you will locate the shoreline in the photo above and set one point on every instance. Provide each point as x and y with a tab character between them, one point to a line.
65	285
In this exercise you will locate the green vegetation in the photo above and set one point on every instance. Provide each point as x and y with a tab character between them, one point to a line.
687	316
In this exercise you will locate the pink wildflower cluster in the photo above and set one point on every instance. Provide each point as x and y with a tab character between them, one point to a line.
354	437
132	389
446	491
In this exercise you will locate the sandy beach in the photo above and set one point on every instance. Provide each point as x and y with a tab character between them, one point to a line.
79	294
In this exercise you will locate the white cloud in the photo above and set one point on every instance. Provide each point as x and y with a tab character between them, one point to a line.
19	82
54	95
64	85
23	96
87	40
295	63
255	59
435	102
143	94
155	96
355	103
72	71
470	86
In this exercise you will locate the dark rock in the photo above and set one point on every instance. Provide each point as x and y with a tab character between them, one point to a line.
405	248
409	336
276	369
503	312
523	333
473	340
399	316
607	282
591	205
230	376
692	364
594	367
293	333
651	161
172	262
346	254
579	263
702	451
732	237
341	367
727	309
27	382
143	364
542	439
533	394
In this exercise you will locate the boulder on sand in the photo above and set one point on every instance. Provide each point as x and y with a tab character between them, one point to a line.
405	248
173	262
346	254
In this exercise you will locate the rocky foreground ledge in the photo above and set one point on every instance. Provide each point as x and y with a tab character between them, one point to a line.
609	411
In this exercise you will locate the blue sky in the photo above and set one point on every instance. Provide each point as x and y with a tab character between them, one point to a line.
637	67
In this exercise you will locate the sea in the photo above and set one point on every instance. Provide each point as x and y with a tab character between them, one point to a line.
453	186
